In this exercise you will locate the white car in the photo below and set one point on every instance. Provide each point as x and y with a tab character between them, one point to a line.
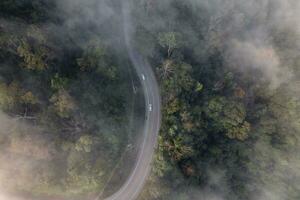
143	77
150	107
129	146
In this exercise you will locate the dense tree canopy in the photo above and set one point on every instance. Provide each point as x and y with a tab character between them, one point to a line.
227	132
229	81
66	104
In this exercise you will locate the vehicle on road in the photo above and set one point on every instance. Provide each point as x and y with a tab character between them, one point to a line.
143	77
150	107
136	180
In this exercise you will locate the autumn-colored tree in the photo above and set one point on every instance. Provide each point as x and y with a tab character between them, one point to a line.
33	58
63	103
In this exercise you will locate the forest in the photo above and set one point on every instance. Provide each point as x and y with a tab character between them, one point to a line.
229	78
65	98
228	73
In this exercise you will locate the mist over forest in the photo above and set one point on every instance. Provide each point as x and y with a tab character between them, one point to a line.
229	77
71	104
68	110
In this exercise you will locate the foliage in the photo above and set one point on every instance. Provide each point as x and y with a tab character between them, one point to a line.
216	117
64	94
170	41
63	105
33	59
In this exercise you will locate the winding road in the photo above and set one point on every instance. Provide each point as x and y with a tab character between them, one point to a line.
134	184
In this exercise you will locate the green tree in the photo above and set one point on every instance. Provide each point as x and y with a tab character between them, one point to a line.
170	41
33	58
63	103
9	95
59	83
84	143
29	98
228	116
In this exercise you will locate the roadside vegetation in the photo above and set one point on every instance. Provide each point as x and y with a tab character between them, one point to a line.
230	129
229	81
65	99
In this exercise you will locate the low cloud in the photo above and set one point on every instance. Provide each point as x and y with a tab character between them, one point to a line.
262	59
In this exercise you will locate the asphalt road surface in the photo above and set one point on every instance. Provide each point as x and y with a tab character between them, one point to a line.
134	184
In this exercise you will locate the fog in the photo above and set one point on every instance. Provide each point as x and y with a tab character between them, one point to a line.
30	151
243	29
247	32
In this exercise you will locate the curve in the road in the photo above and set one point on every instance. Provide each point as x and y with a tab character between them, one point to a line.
134	184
